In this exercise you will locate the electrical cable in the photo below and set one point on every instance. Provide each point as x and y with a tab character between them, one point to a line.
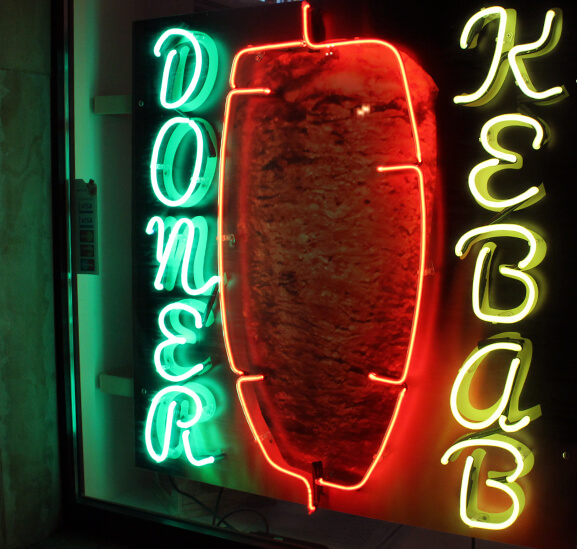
267	528
214	513
205	507
216	505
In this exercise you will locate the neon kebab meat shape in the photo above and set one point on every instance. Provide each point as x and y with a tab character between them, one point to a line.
324	186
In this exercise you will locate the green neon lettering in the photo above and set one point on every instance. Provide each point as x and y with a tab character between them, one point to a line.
188	452
205	67
177	251
165	362
205	161
163	415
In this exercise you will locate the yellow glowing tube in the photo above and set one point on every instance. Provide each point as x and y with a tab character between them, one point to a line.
460	392
514	427
504	481
506	409
537	250
524	458
468	498
503	43
482	307
537	246
492	128
482	172
548	40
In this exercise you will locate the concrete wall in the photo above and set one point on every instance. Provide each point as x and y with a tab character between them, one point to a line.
29	482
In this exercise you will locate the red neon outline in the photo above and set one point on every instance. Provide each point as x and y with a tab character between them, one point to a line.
402	379
359	485
258	49
307	42
263	91
239	383
311	44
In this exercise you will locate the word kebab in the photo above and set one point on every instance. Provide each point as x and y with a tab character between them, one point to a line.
494	429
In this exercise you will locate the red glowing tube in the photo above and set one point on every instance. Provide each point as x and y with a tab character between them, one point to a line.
259	440
265	158
378	456
401	380
311	44
220	234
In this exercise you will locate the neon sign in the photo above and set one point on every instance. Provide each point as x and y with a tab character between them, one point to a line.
481	287
162	417
181	243
503	418
298	301
506	409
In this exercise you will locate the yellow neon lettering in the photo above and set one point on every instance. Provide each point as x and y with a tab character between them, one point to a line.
500	480
481	173
515	55
165	362
548	40
506	409
523	456
503	43
176	254
503	414
469	510
481	291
